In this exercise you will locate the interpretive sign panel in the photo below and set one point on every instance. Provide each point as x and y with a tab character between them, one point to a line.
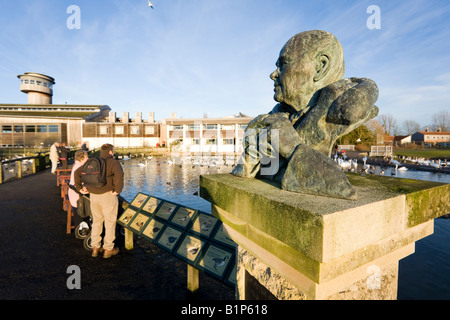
196	237
169	238
139	200
151	205
216	260
221	236
204	224
230	277
183	217
190	248
152	230
166	210
127	216
138	222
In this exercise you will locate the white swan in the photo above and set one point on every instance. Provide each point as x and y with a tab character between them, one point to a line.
142	164
400	169
344	164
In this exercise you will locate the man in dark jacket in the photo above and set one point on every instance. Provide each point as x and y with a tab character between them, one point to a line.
104	203
63	154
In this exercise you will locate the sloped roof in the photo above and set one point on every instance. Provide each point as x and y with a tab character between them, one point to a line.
434	132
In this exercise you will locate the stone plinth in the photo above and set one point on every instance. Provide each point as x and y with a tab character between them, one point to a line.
324	248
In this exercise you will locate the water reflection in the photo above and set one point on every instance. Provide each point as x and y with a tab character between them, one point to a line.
177	182
412	174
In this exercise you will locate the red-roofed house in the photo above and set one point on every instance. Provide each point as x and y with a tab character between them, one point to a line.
432	137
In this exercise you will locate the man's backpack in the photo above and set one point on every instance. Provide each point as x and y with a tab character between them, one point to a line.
93	173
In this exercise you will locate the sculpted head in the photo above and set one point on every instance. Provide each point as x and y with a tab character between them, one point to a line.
308	62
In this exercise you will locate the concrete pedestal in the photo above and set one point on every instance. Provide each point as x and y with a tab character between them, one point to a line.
298	246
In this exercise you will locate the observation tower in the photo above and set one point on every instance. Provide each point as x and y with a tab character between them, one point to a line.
37	86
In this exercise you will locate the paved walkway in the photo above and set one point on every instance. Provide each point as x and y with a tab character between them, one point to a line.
35	252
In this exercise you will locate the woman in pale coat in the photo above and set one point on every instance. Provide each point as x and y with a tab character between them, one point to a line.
54	156
81	157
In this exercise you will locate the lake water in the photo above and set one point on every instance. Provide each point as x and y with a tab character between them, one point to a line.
422	275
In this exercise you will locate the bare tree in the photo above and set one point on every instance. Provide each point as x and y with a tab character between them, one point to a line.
389	123
411	126
441	120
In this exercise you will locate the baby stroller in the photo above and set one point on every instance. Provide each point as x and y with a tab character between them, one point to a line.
83	230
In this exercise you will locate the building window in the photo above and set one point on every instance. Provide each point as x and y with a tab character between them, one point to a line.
18	128
228	141
42	128
119	130
211	141
134	129
149	130
7	129
103	130
194	127
178	127
31	81
53	128
242	126
210	126
227	126
196	141
30	128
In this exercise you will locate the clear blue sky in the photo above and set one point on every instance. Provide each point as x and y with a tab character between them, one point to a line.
215	56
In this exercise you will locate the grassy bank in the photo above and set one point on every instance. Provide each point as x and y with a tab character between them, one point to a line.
423	153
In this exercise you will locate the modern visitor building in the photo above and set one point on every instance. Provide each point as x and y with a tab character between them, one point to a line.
122	132
205	135
40	123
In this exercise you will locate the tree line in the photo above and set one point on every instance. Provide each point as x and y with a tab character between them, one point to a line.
440	120
386	124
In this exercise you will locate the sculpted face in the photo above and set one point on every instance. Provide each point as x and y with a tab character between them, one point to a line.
293	78
308	62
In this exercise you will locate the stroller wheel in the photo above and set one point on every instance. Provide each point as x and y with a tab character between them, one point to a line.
87	242
82	230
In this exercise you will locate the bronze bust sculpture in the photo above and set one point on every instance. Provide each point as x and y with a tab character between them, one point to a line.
315	107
